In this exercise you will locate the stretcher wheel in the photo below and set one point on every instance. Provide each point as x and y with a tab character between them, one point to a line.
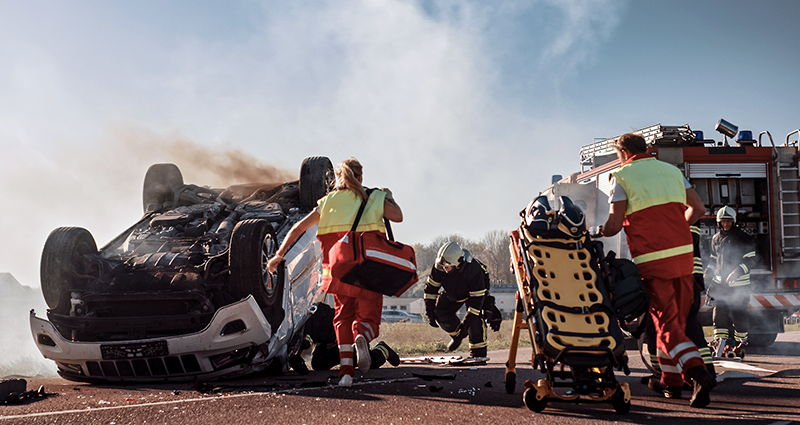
511	382
529	397
618	401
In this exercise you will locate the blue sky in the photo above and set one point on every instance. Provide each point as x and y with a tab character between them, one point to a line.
463	108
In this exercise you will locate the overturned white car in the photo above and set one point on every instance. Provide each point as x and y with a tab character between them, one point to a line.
184	293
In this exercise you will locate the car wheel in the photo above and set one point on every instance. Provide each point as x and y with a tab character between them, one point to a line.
160	183
316	180
66	265
253	243
762	340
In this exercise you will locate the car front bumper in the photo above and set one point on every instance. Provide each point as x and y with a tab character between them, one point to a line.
224	348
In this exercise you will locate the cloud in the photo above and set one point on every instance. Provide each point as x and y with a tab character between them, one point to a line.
450	104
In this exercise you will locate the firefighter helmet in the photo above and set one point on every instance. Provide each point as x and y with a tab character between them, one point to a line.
450	254
726	212
538	216
571	220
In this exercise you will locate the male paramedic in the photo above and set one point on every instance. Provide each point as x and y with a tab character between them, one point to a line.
655	204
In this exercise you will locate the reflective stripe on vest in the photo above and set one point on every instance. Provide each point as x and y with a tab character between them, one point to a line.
338	210
664	253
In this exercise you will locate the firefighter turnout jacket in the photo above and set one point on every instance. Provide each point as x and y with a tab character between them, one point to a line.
731	251
468	284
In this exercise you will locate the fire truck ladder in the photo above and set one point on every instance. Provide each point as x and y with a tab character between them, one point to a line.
789	202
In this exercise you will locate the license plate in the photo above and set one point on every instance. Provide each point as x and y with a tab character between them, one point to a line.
132	351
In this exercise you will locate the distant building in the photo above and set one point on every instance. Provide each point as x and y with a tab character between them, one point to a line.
411	305
505	297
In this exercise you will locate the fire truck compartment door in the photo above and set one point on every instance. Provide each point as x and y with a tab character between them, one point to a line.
731	171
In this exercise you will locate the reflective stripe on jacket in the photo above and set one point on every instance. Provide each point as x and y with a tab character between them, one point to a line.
730	250
698	260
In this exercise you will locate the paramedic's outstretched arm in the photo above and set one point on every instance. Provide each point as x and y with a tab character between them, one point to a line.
696	208
391	210
298	229
616	216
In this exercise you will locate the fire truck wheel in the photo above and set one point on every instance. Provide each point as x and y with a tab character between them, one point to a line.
762	340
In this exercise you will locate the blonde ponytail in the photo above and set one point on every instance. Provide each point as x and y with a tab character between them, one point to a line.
347	174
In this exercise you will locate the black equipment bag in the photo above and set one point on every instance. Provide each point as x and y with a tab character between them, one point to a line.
629	298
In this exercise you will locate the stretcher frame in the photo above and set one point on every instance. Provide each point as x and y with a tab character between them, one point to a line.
587	383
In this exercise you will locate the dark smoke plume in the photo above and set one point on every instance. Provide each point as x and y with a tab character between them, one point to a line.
231	167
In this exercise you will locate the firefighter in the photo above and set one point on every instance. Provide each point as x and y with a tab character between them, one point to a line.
733	254
655	204
462	280
320	333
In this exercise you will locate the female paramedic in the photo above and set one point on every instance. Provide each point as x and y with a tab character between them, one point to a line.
358	311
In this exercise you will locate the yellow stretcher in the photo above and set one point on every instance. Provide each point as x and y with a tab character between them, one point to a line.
577	342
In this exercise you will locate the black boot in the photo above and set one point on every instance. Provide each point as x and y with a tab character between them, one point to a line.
455	343
391	356
298	364
655	384
703	383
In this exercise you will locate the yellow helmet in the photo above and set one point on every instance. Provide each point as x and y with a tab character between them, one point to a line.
726	212
450	254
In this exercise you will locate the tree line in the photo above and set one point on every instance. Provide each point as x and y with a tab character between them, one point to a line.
491	250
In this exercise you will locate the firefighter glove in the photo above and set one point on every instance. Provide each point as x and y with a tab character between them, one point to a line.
735	274
493	317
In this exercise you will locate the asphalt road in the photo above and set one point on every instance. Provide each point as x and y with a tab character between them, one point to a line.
768	392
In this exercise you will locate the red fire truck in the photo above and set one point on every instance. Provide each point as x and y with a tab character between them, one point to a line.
753	175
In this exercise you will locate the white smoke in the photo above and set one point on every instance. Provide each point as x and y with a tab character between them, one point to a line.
424	94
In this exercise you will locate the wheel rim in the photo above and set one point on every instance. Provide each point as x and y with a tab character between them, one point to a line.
330	180
268	249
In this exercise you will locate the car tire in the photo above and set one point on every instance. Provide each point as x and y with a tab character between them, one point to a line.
253	243
160	183
762	339
316	180
63	258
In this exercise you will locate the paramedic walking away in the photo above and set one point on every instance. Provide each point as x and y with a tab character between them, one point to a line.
733	254
694	330
358	311
655	204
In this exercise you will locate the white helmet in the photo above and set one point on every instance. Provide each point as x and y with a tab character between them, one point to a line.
726	212
450	254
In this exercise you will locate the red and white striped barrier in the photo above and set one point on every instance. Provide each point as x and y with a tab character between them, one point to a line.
762	301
